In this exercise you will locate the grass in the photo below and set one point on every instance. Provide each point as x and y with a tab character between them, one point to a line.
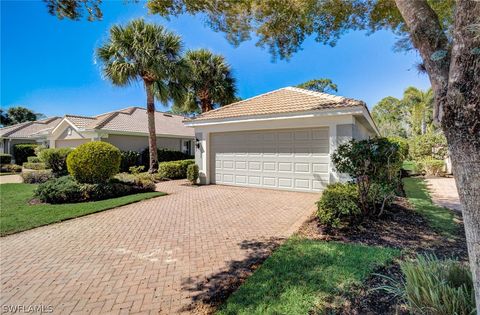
442	220
409	166
17	215
303	275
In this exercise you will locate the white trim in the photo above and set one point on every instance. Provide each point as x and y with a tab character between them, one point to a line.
255	118
133	133
65	119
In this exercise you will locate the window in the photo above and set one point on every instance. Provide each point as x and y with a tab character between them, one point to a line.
187	146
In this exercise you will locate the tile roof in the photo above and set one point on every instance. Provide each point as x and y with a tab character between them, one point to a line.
30	129
285	100
132	119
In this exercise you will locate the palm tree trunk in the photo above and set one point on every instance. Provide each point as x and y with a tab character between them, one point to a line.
152	135
206	105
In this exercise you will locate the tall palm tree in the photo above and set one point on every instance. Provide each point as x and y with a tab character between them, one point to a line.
150	54
420	104
210	82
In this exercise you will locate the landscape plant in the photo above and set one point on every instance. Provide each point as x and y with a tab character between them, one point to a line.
37	177
5	158
338	205
174	169
129	159
372	161
192	173
22	151
94	162
34	166
55	159
148	53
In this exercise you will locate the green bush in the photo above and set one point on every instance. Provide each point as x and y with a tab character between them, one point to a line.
5	158
94	162
34	159
402	146
376	160
129	159
433	286
429	145
164	155
67	190
35	166
10	168
56	159
37	177
174	169
192	173
338	205
22	151
431	166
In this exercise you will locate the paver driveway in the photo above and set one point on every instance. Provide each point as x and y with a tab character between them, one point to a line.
145	257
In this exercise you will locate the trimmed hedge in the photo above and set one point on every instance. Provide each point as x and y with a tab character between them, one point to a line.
56	159
67	190
22	151
5	158
37	177
7	168
338	205
94	162
431	166
34	159
164	155
35	166
174	169
192	173
129	159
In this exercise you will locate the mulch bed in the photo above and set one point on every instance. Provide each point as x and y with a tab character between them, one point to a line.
400	227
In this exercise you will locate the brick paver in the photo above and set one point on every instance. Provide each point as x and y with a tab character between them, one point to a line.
145	257
444	192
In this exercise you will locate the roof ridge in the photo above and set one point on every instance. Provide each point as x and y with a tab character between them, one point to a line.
105	120
118	110
79	116
315	93
242	101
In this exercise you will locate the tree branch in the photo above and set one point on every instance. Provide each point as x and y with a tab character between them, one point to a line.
431	41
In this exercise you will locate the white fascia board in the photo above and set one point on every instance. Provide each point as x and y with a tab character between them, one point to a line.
257	118
106	132
64	120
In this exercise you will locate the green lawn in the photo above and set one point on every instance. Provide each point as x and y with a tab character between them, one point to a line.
440	219
17	215
409	166
302	274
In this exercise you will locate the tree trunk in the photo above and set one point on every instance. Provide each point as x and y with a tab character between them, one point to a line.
206	105
152	135
455	76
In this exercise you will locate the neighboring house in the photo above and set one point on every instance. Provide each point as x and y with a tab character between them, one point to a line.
127	129
282	139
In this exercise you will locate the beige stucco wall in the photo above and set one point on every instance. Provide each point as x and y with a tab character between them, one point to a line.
70	133
139	143
360	132
70	143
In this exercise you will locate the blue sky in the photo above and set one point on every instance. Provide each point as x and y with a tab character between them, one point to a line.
49	65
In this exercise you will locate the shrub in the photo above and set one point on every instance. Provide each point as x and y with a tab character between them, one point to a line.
129	159
402	146
369	161
60	190
435	286
55	159
136	169
192	173
22	151
431	166
35	166
94	162
37	177
34	159
338	204
5	158
67	190
429	145
174	169
10	168
164	155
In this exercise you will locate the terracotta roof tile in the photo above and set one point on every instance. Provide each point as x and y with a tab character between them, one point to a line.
30	128
285	100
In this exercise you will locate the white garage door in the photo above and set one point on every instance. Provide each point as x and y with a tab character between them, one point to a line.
291	159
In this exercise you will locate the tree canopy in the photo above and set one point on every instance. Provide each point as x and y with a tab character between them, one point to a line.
322	85
210	82
18	114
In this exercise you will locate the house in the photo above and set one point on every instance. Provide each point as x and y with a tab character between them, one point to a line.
282	139
127	129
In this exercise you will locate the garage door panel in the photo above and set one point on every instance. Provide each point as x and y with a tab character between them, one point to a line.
294	159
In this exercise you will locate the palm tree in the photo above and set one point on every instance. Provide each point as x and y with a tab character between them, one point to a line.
210	82
420	104
150	54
